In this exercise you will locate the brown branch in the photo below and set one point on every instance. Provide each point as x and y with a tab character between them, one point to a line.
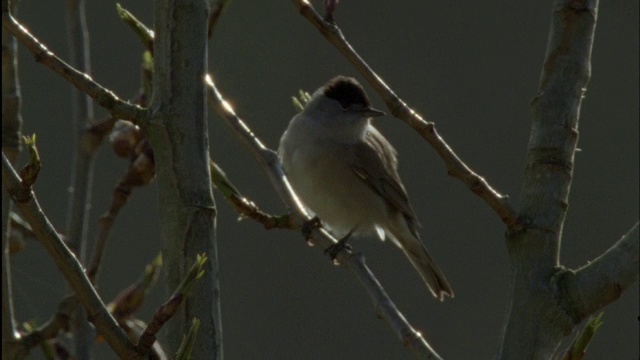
244	206
129	300
103	96
214	16
167	310
78	210
140	173
59	322
398	108
11	141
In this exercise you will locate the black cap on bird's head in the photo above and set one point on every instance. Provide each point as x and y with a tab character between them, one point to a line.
350	94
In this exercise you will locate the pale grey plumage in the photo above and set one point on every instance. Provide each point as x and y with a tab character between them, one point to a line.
345	172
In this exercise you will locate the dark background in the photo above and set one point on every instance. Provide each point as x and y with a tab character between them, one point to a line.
472	67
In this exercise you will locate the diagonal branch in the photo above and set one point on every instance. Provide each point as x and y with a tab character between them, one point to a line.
58	322
398	108
103	96
244	206
602	280
66	262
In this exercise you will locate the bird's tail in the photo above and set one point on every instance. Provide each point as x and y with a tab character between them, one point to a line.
419	257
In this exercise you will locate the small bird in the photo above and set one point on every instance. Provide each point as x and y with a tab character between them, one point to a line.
346	173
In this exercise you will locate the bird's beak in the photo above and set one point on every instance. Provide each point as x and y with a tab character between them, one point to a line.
371	112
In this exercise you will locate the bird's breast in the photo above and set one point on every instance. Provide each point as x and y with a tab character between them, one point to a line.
322	175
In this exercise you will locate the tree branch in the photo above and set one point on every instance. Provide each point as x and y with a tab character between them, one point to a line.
399	109
244	206
59	321
603	280
11	140
79	204
82	109
141	172
66	262
167	310
103	96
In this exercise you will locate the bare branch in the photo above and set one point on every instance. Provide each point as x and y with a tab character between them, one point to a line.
216	11
59	322
66	262
82	116
167	310
141	172
11	98
125	305
244	206
142	32
398	108
79	205
129	300
103	96
578	348
11	140
603	280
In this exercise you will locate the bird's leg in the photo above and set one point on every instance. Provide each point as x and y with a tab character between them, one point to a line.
308	227
334	249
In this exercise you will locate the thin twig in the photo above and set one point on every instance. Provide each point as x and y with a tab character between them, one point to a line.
119	198
82	116
59	322
141	172
129	300
167	310
83	164
398	108
11	140
244	206
216	12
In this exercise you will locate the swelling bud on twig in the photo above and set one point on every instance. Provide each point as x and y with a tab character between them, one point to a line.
29	172
124	137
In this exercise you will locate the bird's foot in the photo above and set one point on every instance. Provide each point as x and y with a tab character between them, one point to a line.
334	249
309	226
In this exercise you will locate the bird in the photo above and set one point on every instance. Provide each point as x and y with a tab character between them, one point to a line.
345	172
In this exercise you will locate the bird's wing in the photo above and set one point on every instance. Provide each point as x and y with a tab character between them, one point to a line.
381	174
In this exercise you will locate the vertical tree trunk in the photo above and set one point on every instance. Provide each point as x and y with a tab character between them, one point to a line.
177	129
536	321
